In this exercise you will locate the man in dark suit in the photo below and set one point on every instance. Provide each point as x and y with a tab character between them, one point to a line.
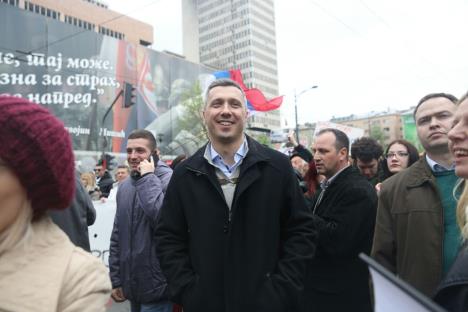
345	211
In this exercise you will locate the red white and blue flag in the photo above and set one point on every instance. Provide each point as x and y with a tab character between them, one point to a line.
256	101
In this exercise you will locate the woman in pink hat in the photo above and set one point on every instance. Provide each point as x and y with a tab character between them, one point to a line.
40	269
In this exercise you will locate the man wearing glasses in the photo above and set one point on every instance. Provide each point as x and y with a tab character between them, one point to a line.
103	179
416	235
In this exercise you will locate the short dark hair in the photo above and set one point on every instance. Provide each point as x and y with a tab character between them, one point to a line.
365	149
224	82
448	96
144	134
341	139
413	156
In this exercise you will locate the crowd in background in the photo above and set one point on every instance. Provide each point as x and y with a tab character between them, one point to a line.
237	226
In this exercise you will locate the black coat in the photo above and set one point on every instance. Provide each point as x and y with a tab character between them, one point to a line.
253	261
337	280
74	220
452	293
105	184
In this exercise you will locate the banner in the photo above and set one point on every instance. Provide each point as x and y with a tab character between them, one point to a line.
77	74
100	232
409	130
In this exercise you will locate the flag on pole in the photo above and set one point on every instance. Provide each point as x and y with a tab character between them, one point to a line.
256	101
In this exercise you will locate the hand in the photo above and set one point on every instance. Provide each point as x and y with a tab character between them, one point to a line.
292	138
146	166
378	186
117	294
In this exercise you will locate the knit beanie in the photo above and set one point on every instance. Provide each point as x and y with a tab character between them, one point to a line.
297	154
37	147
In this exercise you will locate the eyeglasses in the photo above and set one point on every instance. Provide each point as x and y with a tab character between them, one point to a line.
97	170
398	154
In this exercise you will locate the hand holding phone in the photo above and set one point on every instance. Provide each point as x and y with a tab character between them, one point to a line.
147	166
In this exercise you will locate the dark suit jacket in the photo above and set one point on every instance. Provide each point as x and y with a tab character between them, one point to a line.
337	280
74	220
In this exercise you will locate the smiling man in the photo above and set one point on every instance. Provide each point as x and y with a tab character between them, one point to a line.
234	233
416	234
133	265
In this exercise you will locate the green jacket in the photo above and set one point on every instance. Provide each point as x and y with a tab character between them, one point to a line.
409	229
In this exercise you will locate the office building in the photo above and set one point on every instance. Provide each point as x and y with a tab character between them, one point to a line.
384	126
236	34
90	15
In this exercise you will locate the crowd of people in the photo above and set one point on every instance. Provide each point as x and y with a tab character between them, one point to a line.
237	226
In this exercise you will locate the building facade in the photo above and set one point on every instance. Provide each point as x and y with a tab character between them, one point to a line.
384	126
236	34
90	15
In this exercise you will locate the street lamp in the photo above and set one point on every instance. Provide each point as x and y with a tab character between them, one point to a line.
296	95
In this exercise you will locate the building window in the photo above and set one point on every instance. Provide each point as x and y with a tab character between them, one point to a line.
111	33
11	2
40	9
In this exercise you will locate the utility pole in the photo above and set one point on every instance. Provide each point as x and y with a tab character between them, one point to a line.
296	96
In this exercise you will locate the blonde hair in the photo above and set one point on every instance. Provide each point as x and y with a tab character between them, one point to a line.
462	208
89	177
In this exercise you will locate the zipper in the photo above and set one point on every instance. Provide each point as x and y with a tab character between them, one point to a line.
131	242
442	227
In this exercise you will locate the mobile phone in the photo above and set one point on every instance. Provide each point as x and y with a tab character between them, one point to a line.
155	158
136	174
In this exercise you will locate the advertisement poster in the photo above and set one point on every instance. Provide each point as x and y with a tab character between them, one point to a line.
80	76
409	130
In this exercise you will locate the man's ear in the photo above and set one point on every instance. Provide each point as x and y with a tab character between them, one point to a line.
343	153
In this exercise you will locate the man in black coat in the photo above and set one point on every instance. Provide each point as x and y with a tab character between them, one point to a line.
345	209
103	179
234	233
74	220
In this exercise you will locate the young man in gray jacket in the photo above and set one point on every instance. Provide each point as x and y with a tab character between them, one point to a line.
134	267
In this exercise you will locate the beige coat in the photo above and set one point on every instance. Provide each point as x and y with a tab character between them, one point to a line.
48	273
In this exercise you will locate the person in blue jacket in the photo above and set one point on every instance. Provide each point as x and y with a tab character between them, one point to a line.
134	268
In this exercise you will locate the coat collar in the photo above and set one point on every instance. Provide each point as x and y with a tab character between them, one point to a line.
419	173
342	175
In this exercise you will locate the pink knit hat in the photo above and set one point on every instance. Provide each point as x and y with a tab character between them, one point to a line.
37	147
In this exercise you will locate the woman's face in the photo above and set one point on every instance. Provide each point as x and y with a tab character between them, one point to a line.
397	158
12	196
84	181
458	140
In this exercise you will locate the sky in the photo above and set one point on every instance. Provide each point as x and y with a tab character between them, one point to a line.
364	56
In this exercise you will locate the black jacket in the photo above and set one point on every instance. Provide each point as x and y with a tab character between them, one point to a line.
452	293
337	279
105	184
253	260
74	220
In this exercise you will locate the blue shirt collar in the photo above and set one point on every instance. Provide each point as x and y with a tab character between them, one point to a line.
436	167
215	159
240	153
